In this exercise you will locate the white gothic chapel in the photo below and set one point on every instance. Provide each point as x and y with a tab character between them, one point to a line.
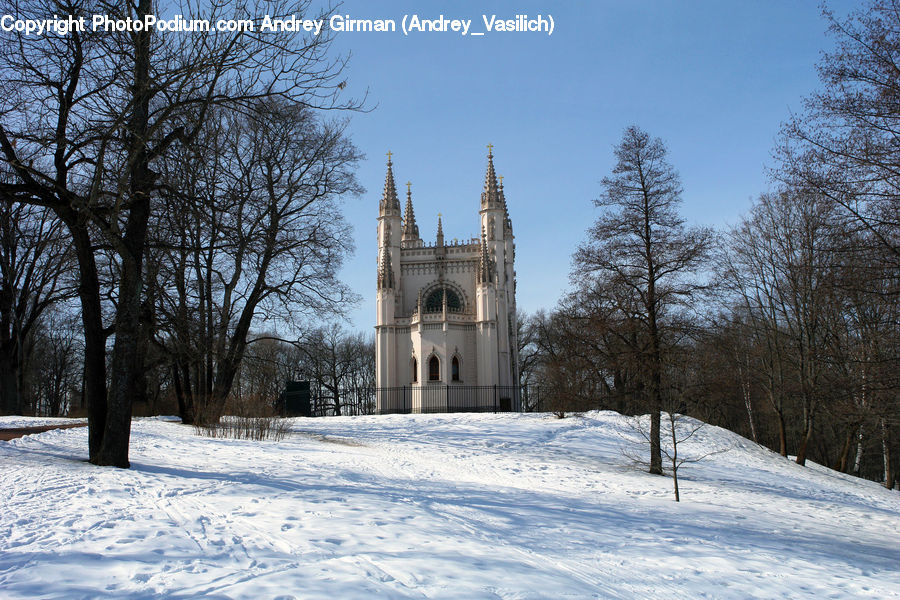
445	335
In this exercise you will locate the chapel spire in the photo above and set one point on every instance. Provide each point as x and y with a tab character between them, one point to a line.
440	232
490	196
410	229
390	204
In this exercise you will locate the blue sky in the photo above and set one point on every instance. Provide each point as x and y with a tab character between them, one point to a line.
713	79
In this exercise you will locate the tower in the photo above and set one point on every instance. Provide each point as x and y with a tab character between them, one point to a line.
389	236
446	325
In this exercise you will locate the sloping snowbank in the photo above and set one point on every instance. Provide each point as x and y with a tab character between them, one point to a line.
435	506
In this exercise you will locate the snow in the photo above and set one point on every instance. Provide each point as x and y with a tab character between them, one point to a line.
17	422
435	506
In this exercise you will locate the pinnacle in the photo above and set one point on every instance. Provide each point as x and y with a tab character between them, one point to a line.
484	263
389	199
410	229
385	273
507	222
490	196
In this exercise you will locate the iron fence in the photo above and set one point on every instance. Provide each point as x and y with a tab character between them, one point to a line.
428	398
349	402
444	398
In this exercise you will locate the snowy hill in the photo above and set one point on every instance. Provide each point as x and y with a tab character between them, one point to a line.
435	506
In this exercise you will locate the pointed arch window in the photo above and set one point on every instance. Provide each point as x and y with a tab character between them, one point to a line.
415	370
434	369
435	300
454	369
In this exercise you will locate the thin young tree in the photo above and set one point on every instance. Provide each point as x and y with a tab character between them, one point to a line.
640	244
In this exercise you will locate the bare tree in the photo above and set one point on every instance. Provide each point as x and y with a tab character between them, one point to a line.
527	351
862	349
640	245
844	144
782	266
684	414
258	381
564	376
337	363
260	236
87	118
736	337
53	376
34	263
750	270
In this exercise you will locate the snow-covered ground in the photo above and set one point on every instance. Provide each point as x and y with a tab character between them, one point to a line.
16	422
435	506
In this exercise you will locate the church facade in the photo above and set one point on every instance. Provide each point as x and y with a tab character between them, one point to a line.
445	334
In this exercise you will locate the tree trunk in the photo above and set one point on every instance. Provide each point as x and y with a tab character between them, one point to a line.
126	368
183	395
226	371
845	450
10	401
674	455
655	446
804	443
94	382
886	450
128	357
782	434
857	462
336	395
655	394
675	479
748	403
